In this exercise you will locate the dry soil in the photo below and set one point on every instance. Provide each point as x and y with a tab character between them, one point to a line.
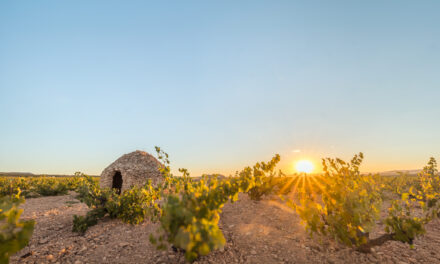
256	232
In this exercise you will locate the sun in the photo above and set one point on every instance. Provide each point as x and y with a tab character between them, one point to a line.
304	166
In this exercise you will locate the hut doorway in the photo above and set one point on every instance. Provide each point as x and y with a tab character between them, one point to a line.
117	182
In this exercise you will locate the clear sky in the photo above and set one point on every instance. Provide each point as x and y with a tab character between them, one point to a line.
218	84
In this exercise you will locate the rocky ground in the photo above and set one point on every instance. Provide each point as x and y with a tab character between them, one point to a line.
256	232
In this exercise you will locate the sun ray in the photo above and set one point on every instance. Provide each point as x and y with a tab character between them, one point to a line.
288	184
318	181
302	184
295	187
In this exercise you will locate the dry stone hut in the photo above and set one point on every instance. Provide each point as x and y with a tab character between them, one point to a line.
131	169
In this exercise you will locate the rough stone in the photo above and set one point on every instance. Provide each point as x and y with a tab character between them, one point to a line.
135	168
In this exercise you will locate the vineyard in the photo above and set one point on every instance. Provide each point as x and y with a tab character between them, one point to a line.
189	219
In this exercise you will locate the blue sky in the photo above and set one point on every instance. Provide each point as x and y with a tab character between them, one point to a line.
218	84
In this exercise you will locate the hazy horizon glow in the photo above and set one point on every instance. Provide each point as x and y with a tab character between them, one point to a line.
218	85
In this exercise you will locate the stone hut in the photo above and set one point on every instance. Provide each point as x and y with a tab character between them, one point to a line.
131	169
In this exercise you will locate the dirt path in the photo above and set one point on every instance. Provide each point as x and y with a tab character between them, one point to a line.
256	232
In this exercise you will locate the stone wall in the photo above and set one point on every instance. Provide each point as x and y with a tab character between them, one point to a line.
135	167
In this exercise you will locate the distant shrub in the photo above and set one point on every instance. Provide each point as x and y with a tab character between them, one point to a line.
51	187
31	187
263	175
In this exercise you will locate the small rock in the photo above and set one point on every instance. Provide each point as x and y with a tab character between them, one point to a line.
33	195
123	244
371	258
49	257
253	252
317	248
412	260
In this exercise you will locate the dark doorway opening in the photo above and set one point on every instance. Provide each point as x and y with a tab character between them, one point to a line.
117	182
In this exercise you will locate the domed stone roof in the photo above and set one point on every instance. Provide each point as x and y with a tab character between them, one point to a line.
131	169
